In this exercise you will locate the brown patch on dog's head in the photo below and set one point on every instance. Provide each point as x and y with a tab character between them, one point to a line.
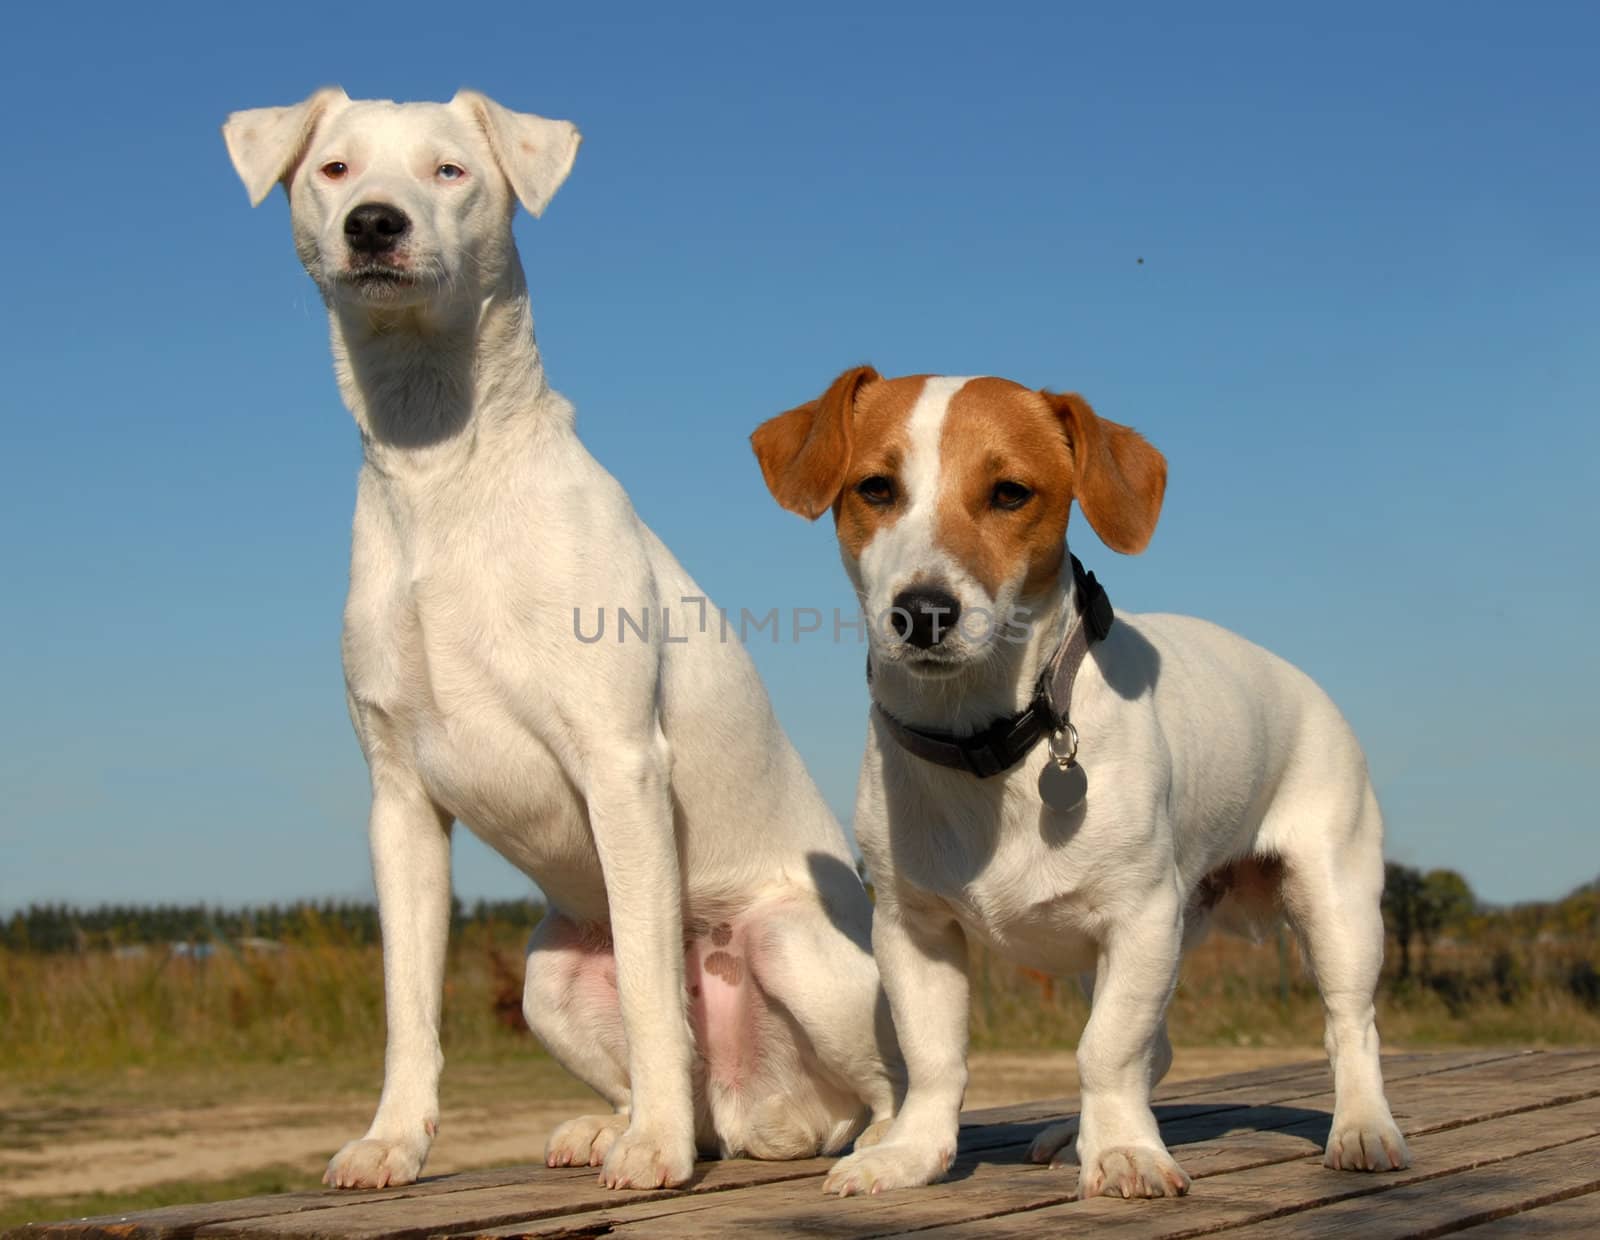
1011	461
1006	483
882	443
1119	479
819	455
805	452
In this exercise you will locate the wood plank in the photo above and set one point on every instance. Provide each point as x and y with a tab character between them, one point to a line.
1419	1105
183	1219
1433	1209
563	1188
1303	1131
478	1208
1272	1085
974	1172
1226	1127
1253	1167
1571	1216
1480	1170
1316	1071
1451	1071
1490	1074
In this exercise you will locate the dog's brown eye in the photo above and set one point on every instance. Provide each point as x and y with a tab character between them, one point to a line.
335	169
1010	495
450	172
876	490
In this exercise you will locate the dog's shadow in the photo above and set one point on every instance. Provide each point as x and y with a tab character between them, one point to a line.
1184	1127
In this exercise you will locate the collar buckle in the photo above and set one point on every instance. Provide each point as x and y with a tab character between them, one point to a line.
1094	605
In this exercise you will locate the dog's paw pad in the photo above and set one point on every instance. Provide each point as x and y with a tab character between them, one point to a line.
643	1159
1130	1171
583	1142
375	1163
885	1166
1369	1144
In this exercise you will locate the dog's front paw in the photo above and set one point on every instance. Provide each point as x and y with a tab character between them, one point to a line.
1132	1171
374	1162
641	1158
888	1165
584	1141
1368	1143
1051	1142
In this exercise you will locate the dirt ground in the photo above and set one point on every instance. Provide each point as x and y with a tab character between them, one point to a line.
143	1130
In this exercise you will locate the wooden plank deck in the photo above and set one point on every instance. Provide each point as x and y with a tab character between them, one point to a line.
1503	1143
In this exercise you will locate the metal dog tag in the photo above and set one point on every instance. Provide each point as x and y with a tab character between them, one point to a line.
1063	788
1063	784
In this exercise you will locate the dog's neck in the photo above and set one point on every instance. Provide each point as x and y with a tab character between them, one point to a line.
427	387
999	685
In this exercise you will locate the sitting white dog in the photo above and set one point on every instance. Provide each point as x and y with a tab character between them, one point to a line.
642	779
1184	766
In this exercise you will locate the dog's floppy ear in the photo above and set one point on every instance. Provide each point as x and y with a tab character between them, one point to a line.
535	153
265	144
1120	479
805	453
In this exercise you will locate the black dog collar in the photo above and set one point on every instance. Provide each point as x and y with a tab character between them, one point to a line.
1007	740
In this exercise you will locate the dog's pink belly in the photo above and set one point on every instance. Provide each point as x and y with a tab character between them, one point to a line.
727	1010
726	1007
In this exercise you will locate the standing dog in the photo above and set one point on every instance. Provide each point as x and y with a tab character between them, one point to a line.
641	780
1206	769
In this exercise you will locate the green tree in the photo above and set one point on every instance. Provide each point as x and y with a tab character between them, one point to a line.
1402	899
1444	902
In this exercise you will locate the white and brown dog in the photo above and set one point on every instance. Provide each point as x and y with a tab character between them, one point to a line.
640	779
1215	772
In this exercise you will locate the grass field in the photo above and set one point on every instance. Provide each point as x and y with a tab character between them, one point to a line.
70	1014
128	1082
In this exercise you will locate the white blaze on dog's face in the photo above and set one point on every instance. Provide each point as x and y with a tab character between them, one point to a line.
950	497
402	204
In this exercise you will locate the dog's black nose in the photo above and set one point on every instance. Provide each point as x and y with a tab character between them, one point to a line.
375	227
923	615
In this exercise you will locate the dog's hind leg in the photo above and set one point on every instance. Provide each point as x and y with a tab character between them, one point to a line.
569	998
816	964
1332	887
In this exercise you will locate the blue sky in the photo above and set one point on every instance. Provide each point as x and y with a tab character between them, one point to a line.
1364	332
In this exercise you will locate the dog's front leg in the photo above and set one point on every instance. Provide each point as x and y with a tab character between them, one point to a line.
410	840
630	812
1120	1151
922	956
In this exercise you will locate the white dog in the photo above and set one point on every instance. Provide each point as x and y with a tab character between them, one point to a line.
1184	767
640	779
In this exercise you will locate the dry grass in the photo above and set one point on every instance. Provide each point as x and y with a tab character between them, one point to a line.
75	1014
1235	993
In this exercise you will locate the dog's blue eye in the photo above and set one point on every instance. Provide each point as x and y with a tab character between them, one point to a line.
450	172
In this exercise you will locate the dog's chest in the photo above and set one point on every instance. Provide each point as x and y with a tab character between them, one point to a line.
439	676
1018	880
1028	911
